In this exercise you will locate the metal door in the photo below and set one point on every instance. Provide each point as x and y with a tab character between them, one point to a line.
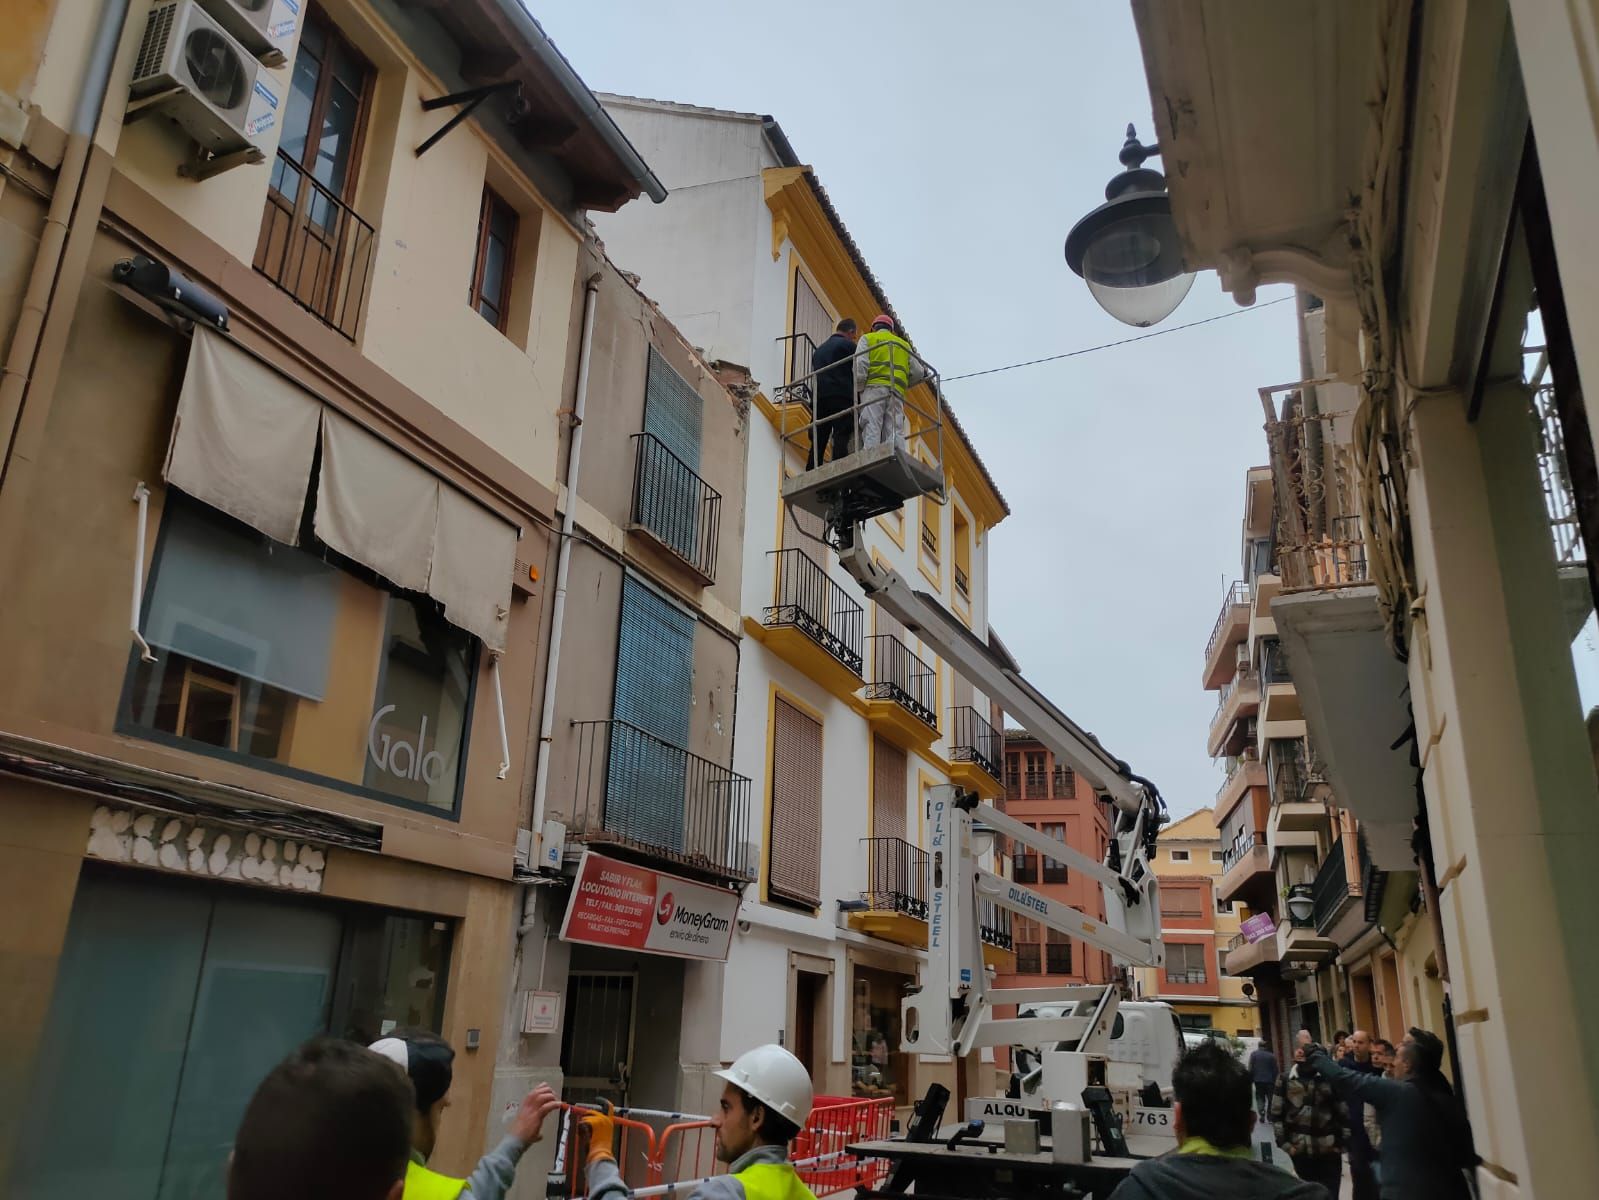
597	1036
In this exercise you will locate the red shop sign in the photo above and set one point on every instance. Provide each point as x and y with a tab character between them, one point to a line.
630	907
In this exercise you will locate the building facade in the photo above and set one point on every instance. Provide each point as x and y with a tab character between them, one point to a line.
271	530
846	719
1434	598
1196	926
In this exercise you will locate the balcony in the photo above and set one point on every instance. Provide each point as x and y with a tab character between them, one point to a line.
1246	773
790	412
896	898
900	695
314	247
1337	893
1296	817
1229	729
677	509
1245	958
635	792
1245	870
963	584
1232	626
813	625
1280	714
1302	946
975	752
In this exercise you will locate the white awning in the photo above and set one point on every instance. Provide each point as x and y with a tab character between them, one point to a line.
244	442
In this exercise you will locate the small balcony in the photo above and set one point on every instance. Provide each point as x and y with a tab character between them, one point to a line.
1245	870
678	510
1229	727
1302	946
900	694
975	752
636	793
1246	773
1245	958
963	584
315	247
813	625
1232	626
1279	703
1336	891
896	899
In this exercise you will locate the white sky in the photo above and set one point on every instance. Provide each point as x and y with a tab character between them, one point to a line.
960	142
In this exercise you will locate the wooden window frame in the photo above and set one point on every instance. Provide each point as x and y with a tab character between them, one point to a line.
319	103
487	207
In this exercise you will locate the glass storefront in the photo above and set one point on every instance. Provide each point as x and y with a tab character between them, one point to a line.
276	656
877	1066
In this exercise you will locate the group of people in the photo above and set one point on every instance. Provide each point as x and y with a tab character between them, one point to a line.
1390	1108
881	367
340	1121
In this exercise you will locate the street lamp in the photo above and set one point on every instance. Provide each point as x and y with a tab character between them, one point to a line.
1301	903
1127	250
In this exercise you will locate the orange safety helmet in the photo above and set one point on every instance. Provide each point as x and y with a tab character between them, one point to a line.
882	319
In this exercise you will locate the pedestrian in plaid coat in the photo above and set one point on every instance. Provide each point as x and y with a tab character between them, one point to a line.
1311	1124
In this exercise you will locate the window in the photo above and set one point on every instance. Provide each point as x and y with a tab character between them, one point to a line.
1027	959
1037	778
1013	776
1065	783
1179	856
1054	871
1057	953
963	557
1224	906
1185	962
1026	865
878	1068
813	325
312	242
930	519
888	789
245	632
1215	856
1184	901
795	850
490	291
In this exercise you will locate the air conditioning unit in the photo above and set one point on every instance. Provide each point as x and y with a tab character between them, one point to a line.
263	27
210	84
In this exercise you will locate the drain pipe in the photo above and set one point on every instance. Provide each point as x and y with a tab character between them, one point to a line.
563	563
17	369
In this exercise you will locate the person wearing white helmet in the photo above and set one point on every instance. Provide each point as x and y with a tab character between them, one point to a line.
766	1101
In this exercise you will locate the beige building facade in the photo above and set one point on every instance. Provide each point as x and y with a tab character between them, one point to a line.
1460	311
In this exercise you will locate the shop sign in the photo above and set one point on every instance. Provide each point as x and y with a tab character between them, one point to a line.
1258	928
628	907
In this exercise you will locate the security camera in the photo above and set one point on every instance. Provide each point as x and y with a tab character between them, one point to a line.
172	290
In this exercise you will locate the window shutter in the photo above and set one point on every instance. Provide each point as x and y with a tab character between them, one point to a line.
795	852
672	410
888	789
646	782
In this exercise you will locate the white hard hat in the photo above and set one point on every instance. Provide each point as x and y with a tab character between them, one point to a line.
776	1078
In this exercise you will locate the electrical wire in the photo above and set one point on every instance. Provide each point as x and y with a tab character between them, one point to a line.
1142	337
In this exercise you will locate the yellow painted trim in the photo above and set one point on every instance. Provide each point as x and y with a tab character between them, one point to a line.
899	928
936	576
896	536
798	217
766	805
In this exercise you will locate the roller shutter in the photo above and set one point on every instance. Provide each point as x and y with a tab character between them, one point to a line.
795	850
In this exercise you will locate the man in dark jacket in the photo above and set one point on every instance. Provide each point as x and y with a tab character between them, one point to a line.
1310	1123
1362	1175
834	388
1214	1158
1427	1147
1263	1074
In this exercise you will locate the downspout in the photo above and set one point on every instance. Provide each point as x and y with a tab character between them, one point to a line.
17	370
563	564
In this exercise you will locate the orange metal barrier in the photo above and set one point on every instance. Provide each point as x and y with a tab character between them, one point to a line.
685	1151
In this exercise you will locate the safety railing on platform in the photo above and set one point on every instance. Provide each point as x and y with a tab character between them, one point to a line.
661	1153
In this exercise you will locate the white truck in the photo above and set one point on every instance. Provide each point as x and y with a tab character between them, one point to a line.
953	1014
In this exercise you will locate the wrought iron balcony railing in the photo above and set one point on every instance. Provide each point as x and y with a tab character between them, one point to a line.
900	676
974	740
1333	889
1237	593
963	583
896	877
1320	540
1288	778
1231	856
314	246
994	924
800	351
633	789
675	506
809	600
1037	785
1195	975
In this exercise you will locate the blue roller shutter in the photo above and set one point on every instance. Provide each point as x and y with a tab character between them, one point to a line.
646	782
669	493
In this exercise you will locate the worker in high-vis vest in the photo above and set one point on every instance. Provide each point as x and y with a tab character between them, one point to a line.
765	1103
429	1061
885	369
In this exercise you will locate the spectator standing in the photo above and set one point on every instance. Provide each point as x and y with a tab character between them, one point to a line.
1362	1176
1214	1157
1428	1151
1382	1054
1263	1074
1310	1123
834	386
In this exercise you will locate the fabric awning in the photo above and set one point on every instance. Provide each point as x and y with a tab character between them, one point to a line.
244	442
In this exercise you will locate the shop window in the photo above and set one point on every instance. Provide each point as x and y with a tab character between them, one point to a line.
877	1066
490	291
281	658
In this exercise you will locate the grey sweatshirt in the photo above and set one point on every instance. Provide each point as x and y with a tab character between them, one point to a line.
605	1179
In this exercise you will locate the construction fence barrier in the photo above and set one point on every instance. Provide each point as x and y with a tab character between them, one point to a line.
659	1153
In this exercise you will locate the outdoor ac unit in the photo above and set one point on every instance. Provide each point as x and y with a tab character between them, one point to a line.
213	88
263	27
